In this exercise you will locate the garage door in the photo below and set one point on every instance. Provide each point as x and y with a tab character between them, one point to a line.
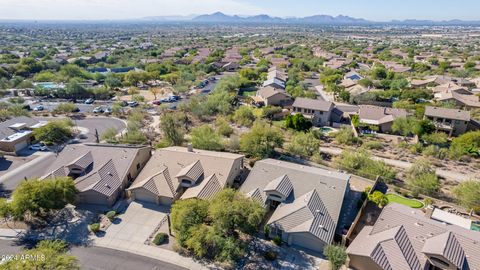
21	145
144	196
308	242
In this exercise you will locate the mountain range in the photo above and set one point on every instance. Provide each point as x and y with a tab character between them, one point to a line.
219	17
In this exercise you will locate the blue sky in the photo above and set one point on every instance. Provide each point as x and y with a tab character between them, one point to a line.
379	10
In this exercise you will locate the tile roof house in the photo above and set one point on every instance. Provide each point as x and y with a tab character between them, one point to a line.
306	201
463	98
273	96
317	110
181	173
382	117
453	121
100	171
16	133
406	238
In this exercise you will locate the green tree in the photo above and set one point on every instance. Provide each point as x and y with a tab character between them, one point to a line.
110	135
211	230
38	198
402	126
223	127
65	108
204	137
378	198
244	116
336	255
304	145
421	178
270	112
298	122
54	132
346	136
467	194
261	141
466	144
50	254
171	129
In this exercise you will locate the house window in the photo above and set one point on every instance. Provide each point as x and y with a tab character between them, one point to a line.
320	112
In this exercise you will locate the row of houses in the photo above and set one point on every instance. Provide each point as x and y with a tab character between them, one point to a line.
304	202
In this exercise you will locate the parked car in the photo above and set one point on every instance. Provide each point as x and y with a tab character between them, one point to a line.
108	110
132	103
38	147
156	102
175	97
89	101
98	110
38	108
212	79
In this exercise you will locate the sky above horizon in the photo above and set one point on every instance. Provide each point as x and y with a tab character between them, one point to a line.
376	10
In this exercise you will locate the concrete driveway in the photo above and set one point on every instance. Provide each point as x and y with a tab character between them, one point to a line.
134	226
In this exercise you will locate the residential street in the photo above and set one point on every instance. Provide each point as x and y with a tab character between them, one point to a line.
459	177
102	258
89	124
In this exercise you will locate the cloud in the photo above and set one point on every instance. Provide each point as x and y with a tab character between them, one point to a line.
119	9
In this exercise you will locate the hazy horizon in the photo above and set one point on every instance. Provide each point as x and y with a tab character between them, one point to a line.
374	10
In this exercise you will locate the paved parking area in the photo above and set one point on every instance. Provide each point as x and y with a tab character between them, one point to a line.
134	226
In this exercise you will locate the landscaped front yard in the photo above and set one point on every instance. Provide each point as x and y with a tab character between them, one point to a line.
394	198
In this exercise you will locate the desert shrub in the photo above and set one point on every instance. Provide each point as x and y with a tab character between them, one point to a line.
160	238
277	240
111	215
373	145
362	164
95	227
270	255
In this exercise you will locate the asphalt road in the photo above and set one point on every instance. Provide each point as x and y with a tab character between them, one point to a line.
94	258
90	124
84	108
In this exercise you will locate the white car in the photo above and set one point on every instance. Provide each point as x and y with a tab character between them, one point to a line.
98	110
38	147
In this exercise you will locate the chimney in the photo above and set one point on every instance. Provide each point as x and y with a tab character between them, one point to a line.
189	147
429	211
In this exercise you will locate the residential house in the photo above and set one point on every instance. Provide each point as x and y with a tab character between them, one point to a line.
318	111
418	83
381	117
461	98
273	96
407	238
181	173
395	67
337	62
101	172
306	201
453	121
17	133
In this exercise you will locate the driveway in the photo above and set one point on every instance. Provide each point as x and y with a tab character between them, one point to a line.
134	226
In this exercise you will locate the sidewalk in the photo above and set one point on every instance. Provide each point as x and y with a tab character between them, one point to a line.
151	252
10	234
